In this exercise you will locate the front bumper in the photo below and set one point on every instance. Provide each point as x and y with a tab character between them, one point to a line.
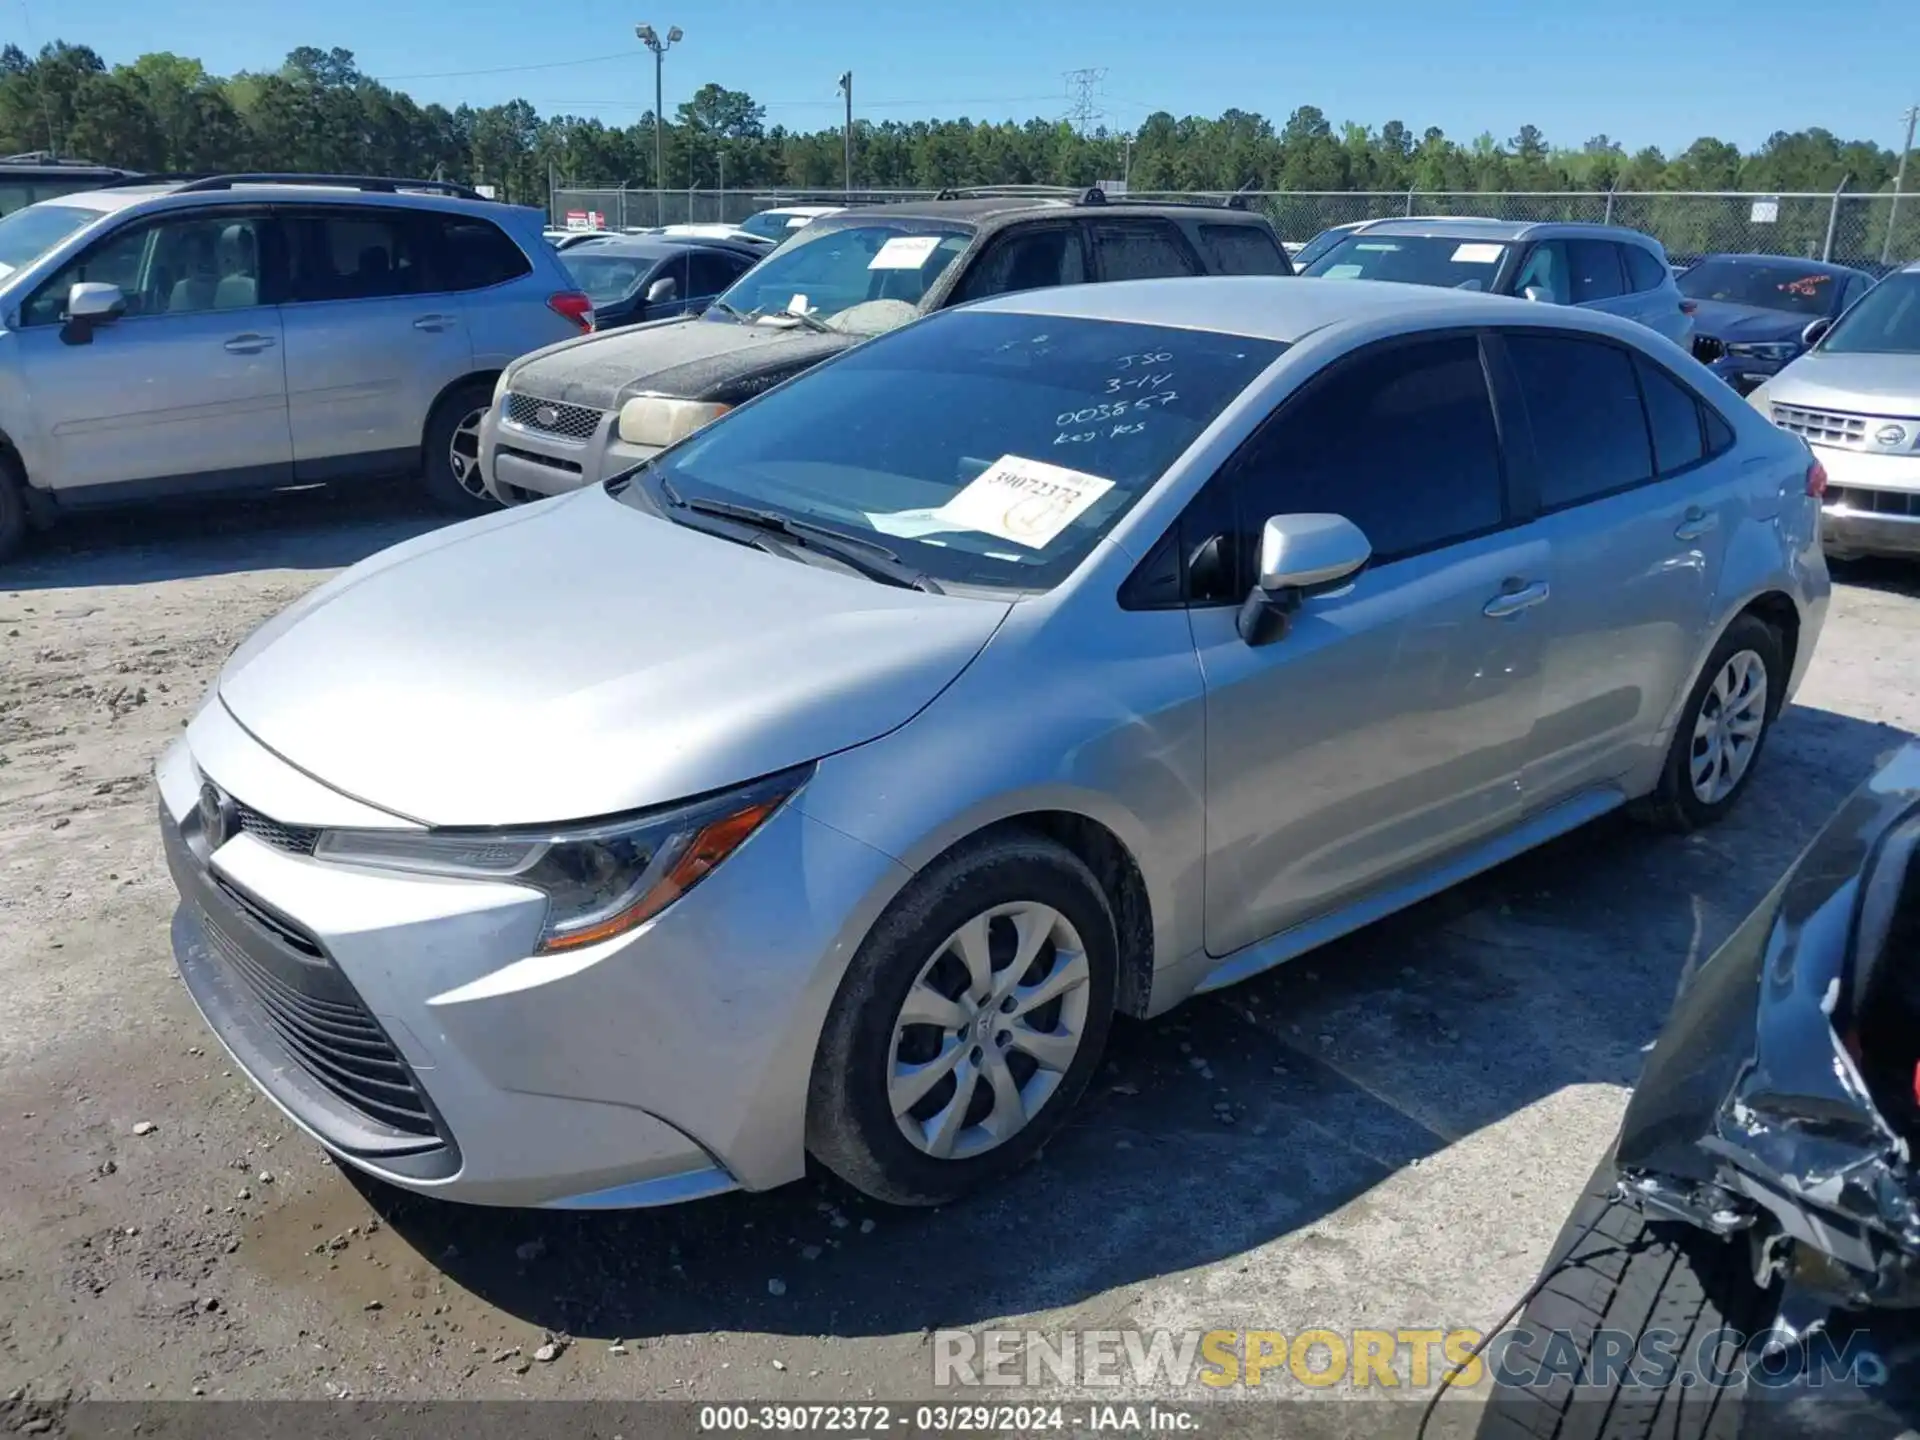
1872	505
668	1064
519	460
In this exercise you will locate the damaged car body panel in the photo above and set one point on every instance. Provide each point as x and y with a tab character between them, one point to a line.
1781	1094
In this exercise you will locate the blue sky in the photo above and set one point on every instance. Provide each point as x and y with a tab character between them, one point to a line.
1658	72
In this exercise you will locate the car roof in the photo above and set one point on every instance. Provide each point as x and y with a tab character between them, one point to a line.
985	210
1282	307
1468	227
109	199
652	247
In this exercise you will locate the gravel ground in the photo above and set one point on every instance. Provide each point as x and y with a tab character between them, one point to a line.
1385	1134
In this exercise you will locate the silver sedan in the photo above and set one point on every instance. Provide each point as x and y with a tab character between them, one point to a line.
829	783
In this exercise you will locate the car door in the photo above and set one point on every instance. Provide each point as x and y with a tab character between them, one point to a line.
1140	247
1637	494
187	387
1657	301
1026	257
374	334
1384	730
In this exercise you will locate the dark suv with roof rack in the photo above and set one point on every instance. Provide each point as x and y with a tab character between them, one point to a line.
584	410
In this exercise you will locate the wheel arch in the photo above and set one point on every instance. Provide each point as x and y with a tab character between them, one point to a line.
487	376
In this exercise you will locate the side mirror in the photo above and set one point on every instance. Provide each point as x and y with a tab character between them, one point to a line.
91	303
1816	331
1537	293
663	291
1299	554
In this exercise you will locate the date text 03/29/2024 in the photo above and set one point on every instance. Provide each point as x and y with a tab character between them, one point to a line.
855	1420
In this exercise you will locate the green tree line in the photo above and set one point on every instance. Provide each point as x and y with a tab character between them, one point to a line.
318	112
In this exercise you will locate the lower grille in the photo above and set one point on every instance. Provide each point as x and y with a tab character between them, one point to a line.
1875	502
552	417
336	1041
572	467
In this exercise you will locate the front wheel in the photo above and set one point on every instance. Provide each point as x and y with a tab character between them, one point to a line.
967	1025
1722	728
450	464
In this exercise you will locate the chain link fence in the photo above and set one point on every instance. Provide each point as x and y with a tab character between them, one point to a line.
1868	231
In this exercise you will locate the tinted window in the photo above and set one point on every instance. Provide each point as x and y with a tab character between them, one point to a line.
1547	272
1789	285
1856	287
362	254
1028	259
1674	416
1242	250
877	441
1140	250
171	267
709	274
1643	271
476	253
1401	442
1413	260
1588	428
1596	270
1719	433
606	278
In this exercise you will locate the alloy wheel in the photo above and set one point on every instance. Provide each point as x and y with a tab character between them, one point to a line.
1727	731
463	454
988	1030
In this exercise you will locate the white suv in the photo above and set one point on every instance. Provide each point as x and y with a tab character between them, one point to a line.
253	331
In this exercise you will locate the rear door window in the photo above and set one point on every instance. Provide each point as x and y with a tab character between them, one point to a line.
361	254
1242	250
476	253
1595	270
1583	405
1645	272
1140	249
1029	258
709	273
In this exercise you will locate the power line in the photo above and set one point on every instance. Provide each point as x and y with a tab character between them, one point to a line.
865	104
505	69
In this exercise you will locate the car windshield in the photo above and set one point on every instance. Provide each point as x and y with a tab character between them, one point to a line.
1789	287
1884	321
862	278
985	449
1319	245
606	278
27	234
774	224
1445	260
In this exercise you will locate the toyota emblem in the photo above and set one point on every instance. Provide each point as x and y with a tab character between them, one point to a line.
1890	436
547	416
216	816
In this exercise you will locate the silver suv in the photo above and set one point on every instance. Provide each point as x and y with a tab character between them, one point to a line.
251	331
1855	398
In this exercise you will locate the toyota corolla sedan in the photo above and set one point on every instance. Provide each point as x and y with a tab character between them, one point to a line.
828	783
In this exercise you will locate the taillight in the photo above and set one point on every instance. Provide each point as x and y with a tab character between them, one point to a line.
574	305
1816	480
1687	307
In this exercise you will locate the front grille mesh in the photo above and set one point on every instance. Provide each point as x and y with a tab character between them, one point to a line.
1823	427
338	1043
571	422
294	839
1875	502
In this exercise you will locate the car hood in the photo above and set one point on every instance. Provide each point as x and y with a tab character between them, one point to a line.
1745	324
1876	384
687	359
579	658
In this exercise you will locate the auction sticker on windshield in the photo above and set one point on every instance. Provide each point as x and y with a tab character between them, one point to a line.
1475	254
904	252
1026	501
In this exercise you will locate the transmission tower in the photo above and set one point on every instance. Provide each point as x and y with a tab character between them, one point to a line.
1084	110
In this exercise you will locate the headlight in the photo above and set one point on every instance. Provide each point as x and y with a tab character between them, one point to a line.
500	386
600	880
1766	350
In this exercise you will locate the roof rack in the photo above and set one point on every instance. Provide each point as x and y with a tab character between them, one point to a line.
376	184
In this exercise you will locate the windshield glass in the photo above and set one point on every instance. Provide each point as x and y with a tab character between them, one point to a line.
27	234
985	449
1319	245
605	278
862	278
1793	288
1884	321
774	224
1413	260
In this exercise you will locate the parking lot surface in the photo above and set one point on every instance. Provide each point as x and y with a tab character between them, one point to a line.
1385	1134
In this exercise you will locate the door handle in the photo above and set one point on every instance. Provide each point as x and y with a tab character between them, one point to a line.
248	344
1513	601
433	322
1696	523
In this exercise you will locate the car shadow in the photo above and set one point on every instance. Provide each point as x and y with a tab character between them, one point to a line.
1885	573
311	528
1242	1116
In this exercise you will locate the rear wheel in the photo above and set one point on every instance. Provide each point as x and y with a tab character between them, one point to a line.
451	462
1722	728
967	1025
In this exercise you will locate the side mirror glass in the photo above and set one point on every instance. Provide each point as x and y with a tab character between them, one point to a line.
1816	331
1299	554
94	300
663	291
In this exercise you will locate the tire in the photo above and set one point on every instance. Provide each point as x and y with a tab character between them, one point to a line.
459	491
13	510
1634	1278
1676	802
867	1047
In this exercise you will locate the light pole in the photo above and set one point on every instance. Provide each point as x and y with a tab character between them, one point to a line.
659	47
846	135
1899	183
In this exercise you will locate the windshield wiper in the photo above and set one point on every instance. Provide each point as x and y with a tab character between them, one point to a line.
739	317
806	318
870	558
